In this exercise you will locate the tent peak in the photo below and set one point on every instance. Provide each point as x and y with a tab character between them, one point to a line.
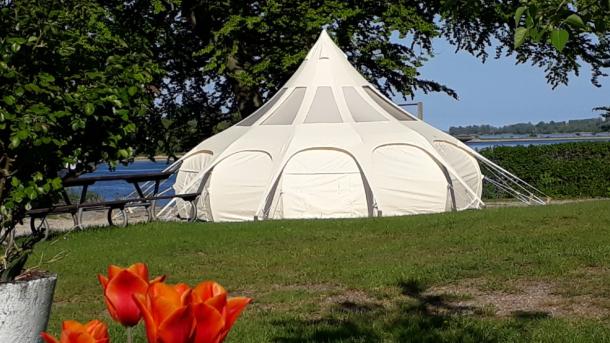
325	64
325	48
325	36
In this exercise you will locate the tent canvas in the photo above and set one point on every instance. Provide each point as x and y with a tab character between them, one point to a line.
329	145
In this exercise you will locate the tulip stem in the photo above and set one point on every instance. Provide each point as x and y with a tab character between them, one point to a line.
129	337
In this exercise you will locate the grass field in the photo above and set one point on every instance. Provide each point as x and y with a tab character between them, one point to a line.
497	275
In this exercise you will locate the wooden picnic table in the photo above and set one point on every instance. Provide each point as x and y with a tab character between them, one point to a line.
142	200
134	179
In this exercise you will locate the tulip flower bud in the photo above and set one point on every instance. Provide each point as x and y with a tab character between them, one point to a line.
119	289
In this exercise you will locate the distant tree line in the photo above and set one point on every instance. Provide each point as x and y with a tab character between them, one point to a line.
570	126
604	111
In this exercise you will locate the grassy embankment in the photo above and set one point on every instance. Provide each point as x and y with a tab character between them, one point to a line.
507	274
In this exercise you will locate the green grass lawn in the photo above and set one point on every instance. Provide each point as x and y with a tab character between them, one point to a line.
497	275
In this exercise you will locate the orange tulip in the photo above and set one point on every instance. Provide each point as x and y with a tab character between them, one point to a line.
167	313
75	332
214	312
119	288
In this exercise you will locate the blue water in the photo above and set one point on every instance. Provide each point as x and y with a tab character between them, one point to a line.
545	135
483	145
116	189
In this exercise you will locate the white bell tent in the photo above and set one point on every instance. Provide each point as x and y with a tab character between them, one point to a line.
330	145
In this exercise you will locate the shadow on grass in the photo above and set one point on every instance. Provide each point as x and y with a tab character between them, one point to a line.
413	317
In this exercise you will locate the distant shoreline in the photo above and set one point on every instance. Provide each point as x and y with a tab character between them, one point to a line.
537	139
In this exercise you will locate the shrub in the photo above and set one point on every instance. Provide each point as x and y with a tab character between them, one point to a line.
567	170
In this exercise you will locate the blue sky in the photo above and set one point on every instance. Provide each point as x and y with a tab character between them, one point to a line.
498	92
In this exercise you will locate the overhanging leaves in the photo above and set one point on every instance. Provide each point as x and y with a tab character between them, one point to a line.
520	35
559	39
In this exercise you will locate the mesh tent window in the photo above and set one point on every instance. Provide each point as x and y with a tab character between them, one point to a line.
390	108
287	111
360	110
324	108
251	119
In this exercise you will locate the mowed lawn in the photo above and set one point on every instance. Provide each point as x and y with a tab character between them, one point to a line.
496	275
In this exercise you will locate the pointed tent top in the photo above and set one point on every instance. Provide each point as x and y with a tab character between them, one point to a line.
325	47
313	94
326	64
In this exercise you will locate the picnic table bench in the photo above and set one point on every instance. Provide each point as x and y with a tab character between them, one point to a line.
140	200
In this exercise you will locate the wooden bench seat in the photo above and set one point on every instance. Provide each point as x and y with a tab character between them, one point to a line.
185	197
76	210
60	209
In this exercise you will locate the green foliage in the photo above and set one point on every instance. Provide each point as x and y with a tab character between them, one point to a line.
74	87
187	107
570	126
559	38
552	19
605	114
569	170
574	29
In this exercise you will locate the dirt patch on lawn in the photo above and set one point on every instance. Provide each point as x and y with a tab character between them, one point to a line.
354	301
289	297
518	299
320	298
309	288
530	298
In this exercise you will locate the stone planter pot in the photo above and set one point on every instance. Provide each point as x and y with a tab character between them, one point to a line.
25	307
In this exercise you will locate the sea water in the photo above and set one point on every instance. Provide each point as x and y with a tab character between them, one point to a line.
117	189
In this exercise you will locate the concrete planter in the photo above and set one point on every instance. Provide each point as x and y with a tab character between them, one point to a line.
25	307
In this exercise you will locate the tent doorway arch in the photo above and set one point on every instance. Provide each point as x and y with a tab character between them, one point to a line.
322	183
189	170
409	181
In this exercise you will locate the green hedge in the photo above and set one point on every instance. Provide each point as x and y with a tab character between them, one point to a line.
567	170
